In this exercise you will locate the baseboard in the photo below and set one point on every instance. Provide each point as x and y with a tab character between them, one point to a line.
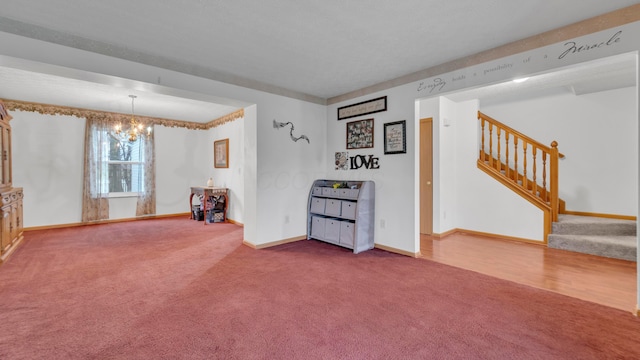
609	216
444	234
106	221
397	251
234	222
490	235
274	243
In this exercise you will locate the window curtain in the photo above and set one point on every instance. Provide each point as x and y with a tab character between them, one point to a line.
146	204
95	201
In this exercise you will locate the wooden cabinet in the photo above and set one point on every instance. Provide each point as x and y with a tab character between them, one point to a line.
11	222
342	216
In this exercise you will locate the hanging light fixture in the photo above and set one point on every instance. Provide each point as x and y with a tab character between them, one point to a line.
135	127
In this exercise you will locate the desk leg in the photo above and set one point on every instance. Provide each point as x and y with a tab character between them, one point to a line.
205	202
226	204
191	206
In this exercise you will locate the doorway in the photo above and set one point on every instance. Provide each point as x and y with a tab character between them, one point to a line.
426	176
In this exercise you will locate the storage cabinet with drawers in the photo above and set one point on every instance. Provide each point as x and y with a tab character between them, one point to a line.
344	215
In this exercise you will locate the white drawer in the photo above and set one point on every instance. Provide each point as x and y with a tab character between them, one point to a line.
344	193
317	205
348	210
326	191
317	227
332	230
347	233
353	193
333	207
316	191
349	193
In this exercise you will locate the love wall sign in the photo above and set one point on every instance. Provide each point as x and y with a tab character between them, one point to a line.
366	161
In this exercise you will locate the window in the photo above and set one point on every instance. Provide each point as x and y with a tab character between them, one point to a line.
123	166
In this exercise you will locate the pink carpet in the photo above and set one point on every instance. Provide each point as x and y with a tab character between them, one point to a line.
175	289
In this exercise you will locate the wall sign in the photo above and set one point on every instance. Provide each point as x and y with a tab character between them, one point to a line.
363	108
581	49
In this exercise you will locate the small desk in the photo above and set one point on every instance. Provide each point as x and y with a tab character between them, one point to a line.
205	193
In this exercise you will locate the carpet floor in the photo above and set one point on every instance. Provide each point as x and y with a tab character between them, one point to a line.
175	289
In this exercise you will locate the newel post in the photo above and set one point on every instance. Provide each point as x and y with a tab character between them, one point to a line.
553	181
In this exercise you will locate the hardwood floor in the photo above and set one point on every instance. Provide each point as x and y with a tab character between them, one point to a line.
605	281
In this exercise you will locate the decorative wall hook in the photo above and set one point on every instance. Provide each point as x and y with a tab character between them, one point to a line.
278	125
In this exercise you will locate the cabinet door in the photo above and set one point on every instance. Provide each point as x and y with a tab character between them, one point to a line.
2	149
19	215
14	222
6	155
5	212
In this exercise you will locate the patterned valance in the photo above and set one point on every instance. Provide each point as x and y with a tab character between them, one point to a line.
47	109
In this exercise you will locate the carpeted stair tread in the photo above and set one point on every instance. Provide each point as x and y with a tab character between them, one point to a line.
589	225
613	238
617	247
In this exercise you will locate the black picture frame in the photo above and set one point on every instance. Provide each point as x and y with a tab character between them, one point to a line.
363	108
395	137
360	134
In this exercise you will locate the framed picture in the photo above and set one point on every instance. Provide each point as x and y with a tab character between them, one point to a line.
360	134
363	108
395	137
221	153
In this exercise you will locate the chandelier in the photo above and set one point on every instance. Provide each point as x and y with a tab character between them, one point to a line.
135	127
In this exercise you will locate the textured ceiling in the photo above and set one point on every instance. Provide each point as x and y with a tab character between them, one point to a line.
319	49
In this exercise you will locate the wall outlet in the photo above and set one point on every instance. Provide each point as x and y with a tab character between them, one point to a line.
382	223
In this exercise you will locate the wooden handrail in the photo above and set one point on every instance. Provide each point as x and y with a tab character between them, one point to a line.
526	166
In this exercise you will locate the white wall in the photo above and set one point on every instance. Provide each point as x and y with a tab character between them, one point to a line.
598	134
286	169
47	164
483	204
464	196
394	180
233	176
181	162
447	160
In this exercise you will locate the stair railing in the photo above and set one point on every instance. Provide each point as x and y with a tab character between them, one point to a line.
523	164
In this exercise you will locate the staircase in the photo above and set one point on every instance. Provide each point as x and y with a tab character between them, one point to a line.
530	169
611	238
522	164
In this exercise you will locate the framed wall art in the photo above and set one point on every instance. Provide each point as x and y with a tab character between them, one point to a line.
395	137
360	134
363	108
221	153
